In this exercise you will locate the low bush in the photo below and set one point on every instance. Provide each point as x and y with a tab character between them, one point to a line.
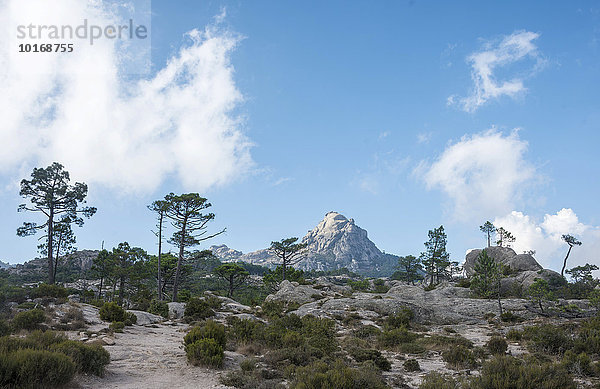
4	328
459	357
401	319
209	330
441	342
411	365
391	338
248	364
28	320
463	283
497	345
435	380
28	368
411	348
243	331
116	326
197	309
361	355
578	364
547	339
47	290
514	335
509	317
204	344
367	332
159	307
112	312
205	352
130	318
507	372
337	375
87	358
72	320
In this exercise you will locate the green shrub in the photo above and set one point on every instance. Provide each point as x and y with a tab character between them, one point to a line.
435	380
507	372
337	375
87	358
400	320
589	336
242	330
112	312
578	364
463	283
361	355
159	307
205	352
514	335
116	326
248	364
547	339
210	330
497	345
29	368
197	309
510	317
411	365
459	357
410	348
441	342
362	286
97	303
391	338
130	318
366	332
47	290
28	320
213	302
273	309
4	328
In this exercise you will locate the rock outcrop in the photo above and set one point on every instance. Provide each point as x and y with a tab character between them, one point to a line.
524	269
505	256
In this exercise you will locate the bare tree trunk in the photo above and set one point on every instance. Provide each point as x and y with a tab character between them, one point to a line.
159	252
50	242
180	259
562	272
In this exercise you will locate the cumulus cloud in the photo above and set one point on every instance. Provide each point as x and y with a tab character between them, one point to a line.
106	127
513	48
482	174
545	237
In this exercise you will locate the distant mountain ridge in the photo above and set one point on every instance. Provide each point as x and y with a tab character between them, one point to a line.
334	243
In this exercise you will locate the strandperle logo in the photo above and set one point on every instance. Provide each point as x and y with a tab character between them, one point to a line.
84	31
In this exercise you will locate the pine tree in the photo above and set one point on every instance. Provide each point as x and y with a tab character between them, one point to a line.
288	251
435	258
487	278
50	193
488	228
409	269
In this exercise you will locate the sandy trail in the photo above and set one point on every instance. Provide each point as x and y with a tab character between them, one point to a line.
150	357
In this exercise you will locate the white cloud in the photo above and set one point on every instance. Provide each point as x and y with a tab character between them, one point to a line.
512	48
105	128
545	237
482	174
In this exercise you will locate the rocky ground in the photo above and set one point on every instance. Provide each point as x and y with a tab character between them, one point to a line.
145	356
150	354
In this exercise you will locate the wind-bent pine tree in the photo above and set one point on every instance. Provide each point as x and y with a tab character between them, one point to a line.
234	274
160	208
409	269
488	228
50	193
185	213
504	237
435	258
288	251
571	241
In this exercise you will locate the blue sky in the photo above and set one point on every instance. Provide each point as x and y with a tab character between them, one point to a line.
360	108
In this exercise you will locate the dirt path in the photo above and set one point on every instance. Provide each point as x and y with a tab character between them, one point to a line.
147	358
